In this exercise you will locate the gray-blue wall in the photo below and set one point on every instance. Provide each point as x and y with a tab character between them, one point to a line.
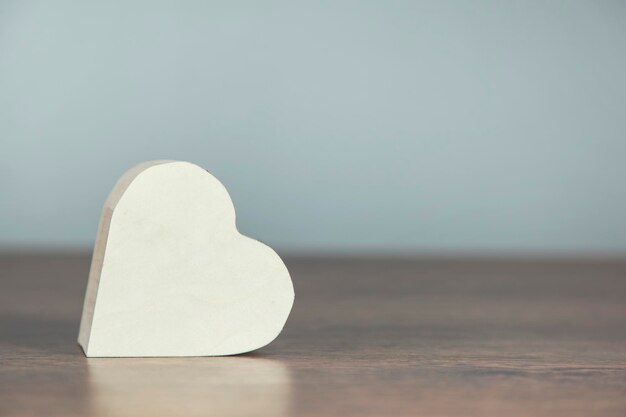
362	125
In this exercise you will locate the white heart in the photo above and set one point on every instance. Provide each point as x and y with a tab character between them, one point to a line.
172	276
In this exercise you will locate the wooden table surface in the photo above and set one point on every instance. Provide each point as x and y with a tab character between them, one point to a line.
367	336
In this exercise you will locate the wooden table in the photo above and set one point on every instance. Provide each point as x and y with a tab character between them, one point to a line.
367	336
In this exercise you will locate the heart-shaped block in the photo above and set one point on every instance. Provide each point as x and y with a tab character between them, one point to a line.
172	276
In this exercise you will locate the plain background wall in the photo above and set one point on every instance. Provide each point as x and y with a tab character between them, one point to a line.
336	126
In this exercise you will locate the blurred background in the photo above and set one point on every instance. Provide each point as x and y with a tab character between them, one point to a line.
340	127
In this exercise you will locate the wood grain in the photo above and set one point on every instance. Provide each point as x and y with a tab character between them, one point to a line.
367	337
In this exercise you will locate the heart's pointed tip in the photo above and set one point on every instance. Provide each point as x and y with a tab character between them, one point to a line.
84	349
